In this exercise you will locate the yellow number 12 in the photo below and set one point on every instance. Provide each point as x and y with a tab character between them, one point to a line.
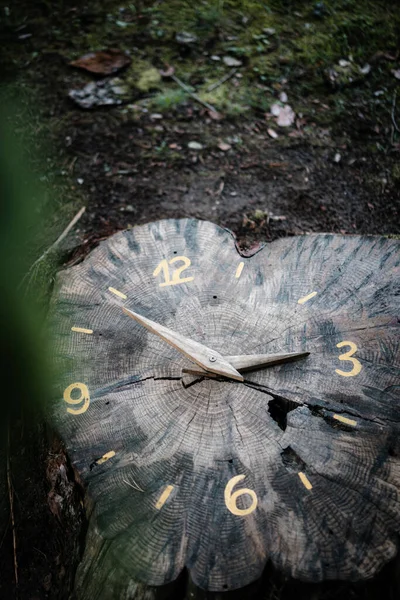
176	275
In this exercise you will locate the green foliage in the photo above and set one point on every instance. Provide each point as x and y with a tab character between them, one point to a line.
23	345
169	99
148	79
225	100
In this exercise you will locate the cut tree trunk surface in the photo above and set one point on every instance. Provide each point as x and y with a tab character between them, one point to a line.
297	465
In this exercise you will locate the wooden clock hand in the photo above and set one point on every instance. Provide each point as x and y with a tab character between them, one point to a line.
248	362
205	357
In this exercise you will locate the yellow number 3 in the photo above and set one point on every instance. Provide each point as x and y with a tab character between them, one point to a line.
349	356
84	397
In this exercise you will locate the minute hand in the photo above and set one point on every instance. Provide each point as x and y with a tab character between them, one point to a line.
249	362
205	357
246	362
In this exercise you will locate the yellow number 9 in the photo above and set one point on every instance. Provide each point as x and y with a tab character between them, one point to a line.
84	397
349	356
230	498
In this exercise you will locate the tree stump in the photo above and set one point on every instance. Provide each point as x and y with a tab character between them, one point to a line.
297	465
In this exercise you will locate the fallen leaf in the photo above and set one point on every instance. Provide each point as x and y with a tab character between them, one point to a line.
224	146
216	116
230	61
220	188
103	62
277	165
272	133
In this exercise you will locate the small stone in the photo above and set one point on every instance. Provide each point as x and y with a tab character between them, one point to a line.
230	61
119	90
275	110
337	158
365	69
184	37
224	146
233	194
195	146
286	116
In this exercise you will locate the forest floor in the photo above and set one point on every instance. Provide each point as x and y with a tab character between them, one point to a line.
269	118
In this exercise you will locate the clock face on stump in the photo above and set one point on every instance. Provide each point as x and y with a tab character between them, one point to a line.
221	469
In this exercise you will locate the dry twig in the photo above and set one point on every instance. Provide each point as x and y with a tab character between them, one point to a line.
33	268
221	81
11	501
394	111
192	94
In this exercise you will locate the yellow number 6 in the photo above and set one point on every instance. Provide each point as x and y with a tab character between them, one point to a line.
349	356
84	397
230	498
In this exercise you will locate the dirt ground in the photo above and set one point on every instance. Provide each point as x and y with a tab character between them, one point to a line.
162	153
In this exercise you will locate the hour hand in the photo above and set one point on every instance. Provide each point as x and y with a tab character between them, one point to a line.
250	362
206	358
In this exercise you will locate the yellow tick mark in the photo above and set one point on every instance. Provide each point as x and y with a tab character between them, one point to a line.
164	496
105	457
117	293
81	330
306	298
345	420
304	480
239	270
